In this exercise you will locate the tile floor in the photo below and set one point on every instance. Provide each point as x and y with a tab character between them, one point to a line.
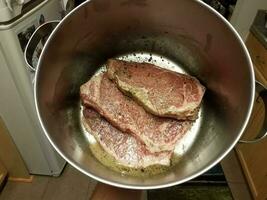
51	188
72	185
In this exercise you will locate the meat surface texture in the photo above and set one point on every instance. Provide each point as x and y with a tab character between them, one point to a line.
126	149
157	133
162	92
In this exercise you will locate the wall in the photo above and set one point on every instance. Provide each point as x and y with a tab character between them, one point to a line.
244	14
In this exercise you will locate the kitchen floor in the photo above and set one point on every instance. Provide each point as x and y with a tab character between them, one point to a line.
73	185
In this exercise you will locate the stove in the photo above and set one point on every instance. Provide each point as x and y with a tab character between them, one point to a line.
215	176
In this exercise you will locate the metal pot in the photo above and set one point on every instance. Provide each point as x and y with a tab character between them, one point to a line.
185	35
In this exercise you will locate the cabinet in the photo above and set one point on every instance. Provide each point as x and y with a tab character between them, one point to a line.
10	159
3	174
253	157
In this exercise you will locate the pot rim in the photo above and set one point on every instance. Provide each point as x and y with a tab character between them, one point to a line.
158	186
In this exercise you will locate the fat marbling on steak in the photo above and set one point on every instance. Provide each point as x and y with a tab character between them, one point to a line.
162	92
126	149
157	133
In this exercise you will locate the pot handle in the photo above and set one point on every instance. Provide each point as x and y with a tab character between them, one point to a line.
262	91
41	33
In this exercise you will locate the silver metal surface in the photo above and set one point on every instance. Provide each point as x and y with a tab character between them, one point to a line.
262	91
202	44
41	33
188	140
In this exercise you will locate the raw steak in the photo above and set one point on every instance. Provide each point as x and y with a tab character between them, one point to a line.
159	91
125	148
159	134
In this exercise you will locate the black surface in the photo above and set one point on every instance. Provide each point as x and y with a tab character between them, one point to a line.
78	2
211	185
214	176
191	193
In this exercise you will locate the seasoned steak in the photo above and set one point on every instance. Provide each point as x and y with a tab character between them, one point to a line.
126	149
162	92
159	134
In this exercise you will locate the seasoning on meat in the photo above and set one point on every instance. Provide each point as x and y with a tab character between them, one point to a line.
157	133
162	92
126	149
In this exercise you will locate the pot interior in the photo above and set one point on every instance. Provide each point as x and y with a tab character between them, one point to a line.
180	33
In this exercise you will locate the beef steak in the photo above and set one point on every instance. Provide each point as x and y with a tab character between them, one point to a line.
159	134
126	149
162	92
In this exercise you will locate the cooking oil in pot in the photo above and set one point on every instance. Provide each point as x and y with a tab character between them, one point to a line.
183	145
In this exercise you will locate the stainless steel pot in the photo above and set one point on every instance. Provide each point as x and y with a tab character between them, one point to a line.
186	35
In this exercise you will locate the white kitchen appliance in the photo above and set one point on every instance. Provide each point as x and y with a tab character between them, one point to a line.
18	20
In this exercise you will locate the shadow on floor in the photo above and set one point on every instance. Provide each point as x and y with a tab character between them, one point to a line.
71	185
